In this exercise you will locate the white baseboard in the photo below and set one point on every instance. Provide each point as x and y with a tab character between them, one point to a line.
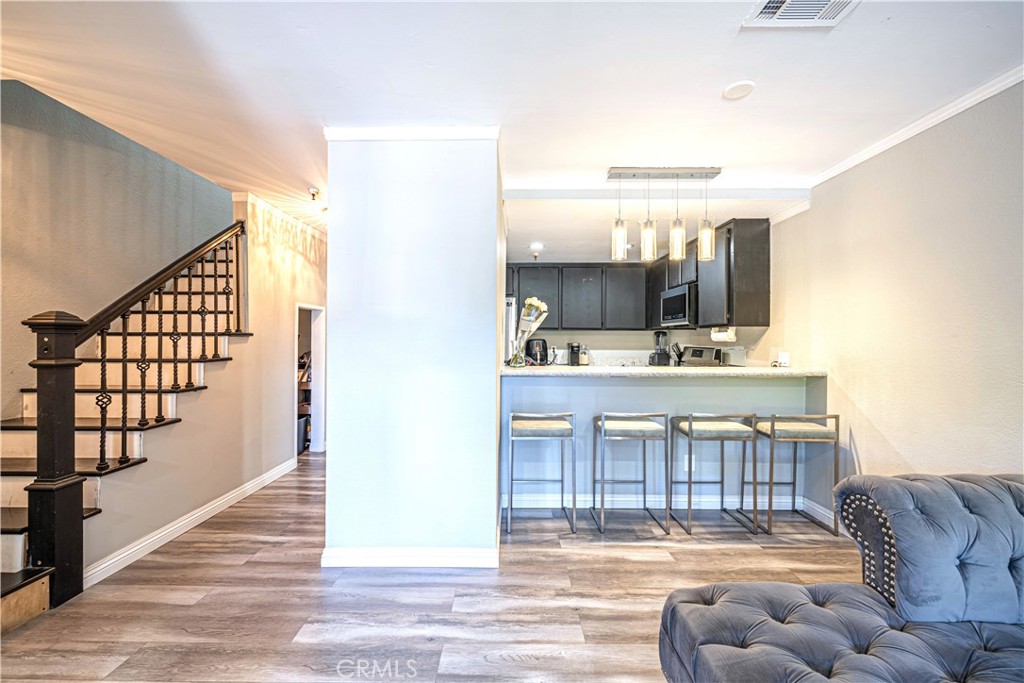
98	571
482	558
632	500
819	512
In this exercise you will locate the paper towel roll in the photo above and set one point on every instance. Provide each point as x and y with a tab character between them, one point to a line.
723	334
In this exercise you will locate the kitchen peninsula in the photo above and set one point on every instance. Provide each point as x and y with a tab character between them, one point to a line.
588	390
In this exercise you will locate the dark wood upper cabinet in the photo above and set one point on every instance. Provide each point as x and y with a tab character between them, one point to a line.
625	298
657	282
735	288
541	282
685	271
581	297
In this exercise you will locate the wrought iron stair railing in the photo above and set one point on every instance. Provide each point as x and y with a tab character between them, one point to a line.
204	284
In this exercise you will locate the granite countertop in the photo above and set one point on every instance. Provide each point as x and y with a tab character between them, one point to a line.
645	371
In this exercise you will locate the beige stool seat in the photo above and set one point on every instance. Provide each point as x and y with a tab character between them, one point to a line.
541	428
630	428
713	429
798	430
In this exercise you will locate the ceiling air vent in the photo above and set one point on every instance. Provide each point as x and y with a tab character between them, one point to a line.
798	13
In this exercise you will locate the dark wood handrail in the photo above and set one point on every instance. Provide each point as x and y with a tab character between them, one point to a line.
126	302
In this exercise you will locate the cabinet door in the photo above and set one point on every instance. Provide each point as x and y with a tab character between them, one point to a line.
713	285
688	266
657	282
581	298
685	271
510	281
625	298
541	282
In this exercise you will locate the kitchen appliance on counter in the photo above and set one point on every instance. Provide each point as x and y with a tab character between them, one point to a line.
574	353
679	306
736	357
511	318
660	355
537	351
697	356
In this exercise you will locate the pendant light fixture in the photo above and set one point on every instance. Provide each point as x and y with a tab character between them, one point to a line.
706	232
677	233
648	231
619	233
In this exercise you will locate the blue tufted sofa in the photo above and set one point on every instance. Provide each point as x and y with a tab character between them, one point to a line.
942	600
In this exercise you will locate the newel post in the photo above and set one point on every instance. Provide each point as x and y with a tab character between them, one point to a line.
55	497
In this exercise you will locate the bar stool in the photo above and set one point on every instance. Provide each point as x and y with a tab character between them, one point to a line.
796	429
709	427
560	427
642	427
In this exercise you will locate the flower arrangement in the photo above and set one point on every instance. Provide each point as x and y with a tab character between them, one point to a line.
533	314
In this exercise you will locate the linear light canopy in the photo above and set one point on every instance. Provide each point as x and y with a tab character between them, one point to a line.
356	134
663	173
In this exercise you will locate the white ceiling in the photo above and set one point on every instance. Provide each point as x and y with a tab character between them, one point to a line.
240	92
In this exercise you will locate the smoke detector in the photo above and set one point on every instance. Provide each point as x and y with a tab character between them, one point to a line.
798	13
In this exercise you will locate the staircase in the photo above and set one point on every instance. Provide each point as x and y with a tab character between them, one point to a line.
101	385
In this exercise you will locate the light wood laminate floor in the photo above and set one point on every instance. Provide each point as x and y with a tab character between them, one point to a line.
242	598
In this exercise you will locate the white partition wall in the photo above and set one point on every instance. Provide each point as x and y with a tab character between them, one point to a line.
412	320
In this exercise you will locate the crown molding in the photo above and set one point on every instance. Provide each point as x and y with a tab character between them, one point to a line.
413	133
790	212
534	194
993	87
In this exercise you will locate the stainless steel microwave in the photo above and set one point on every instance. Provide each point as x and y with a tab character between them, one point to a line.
679	306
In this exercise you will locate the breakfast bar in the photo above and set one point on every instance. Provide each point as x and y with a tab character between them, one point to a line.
588	391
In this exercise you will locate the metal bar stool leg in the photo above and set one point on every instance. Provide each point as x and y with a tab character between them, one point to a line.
689	483
721	475
643	472
771	484
511	465
603	445
668	480
573	482
792	498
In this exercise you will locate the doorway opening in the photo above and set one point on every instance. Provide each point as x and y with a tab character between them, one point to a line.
309	378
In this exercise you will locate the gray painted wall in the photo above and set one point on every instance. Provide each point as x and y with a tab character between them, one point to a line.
87	214
904	281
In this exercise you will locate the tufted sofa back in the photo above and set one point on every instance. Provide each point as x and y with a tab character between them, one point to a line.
940	548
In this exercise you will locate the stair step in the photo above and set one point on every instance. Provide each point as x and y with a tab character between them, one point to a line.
13	581
132	389
185	311
86	467
84	424
15	520
152	333
153	359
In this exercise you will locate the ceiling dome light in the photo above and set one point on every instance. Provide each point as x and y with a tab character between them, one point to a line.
738	90
536	246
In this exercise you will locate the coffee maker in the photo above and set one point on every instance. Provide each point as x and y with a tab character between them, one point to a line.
660	355
574	353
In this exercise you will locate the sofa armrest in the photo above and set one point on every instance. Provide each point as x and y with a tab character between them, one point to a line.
937	548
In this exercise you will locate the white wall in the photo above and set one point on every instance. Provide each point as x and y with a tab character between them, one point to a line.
904	282
87	214
244	425
413	287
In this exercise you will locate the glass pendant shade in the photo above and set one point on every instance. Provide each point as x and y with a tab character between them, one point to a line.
648	240
706	240
619	240
677	240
